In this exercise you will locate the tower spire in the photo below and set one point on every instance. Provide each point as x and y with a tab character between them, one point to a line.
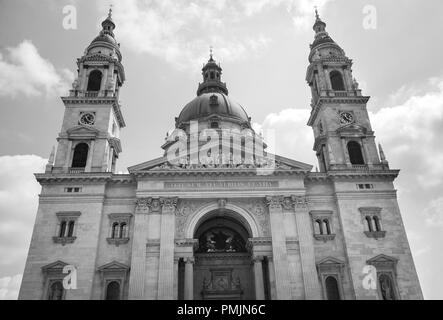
211	53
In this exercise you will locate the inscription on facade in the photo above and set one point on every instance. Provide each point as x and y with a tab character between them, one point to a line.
221	185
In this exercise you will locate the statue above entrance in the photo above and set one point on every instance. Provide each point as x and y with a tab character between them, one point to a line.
218	240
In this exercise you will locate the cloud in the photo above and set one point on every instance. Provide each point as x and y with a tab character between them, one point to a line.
9	287
294	139
24	71
434	213
411	134
180	32
18	206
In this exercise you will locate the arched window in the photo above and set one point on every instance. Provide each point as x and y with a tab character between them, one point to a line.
377	223
332	292
337	81
113	291
114	234
212	75
56	291
123	229
71	228
80	155
320	226
95	81
386	287
328	227
62	229
355	154
368	220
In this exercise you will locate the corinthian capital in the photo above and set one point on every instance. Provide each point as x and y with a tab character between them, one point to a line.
169	204
301	202
147	204
274	202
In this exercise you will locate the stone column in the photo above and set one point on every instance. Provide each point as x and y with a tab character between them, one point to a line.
68	156
138	266
176	261
279	251
307	255
258	276
166	263
271	271
365	151
90	157
345	153
189	278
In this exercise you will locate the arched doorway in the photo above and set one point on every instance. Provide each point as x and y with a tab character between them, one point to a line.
223	265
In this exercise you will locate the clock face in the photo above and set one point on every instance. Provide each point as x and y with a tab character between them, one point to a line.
87	119
346	118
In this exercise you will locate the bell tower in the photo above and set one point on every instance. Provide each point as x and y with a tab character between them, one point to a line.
343	134
89	138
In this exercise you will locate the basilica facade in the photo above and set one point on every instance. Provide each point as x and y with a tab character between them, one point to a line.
217	217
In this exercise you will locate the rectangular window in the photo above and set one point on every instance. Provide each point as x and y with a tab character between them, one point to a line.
66	231
73	189
365	186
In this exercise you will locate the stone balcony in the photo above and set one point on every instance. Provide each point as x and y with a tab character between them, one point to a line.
76	170
92	94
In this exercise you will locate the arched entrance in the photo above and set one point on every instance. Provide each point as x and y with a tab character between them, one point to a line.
223	266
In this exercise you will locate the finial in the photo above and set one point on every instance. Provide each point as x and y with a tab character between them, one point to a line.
382	153
52	156
316	13
210	53
110	11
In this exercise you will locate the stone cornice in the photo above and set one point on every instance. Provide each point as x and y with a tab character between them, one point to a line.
345	174
217	172
352	195
358	174
85	177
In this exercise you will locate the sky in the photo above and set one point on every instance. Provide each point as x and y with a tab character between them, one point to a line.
263	48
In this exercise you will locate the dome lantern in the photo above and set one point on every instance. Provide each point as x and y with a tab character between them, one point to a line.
212	78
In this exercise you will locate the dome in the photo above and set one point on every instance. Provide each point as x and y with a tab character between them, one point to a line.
105	38
212	103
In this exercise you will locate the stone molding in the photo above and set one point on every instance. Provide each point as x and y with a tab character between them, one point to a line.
183	243
324	237
375	234
64	240
117	241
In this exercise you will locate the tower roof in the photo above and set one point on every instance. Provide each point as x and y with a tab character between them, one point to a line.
106	36
321	36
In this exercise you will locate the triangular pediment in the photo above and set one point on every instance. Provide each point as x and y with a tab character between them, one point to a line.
330	261
56	266
159	164
82	131
352	128
113	266
382	258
